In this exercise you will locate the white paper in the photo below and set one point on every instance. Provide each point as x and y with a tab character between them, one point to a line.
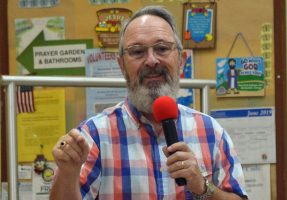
101	63
25	171
25	191
252	131
257	181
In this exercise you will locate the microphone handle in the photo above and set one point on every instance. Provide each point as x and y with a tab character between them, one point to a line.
170	134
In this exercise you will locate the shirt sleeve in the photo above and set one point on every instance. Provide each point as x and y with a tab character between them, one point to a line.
228	174
90	175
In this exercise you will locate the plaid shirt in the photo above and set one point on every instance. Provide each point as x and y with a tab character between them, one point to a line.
126	159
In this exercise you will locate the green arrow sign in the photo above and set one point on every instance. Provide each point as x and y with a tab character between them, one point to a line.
55	57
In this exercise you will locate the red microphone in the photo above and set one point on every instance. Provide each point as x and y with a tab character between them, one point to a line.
165	111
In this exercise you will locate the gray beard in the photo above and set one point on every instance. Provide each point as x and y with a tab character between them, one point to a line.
143	96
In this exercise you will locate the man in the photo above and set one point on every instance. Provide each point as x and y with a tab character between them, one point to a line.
122	154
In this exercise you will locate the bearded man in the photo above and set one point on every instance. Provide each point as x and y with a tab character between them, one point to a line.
121	153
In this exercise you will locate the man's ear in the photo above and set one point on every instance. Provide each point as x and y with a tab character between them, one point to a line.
121	64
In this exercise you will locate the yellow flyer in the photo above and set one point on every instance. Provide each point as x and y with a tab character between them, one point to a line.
39	131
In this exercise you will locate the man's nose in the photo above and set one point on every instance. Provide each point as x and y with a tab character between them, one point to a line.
151	58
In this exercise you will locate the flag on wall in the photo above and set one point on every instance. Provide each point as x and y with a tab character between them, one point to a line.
25	99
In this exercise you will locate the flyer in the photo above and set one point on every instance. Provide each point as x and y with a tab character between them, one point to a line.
102	63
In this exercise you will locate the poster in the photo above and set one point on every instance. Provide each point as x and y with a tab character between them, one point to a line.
101	63
240	77
186	96
252	131
39	131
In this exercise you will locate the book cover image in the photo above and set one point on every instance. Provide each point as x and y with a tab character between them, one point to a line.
240	77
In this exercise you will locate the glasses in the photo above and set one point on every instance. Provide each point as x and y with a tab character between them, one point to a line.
160	49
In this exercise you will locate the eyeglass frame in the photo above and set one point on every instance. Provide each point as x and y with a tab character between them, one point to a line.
173	46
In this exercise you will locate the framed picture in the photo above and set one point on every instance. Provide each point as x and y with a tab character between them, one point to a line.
199	25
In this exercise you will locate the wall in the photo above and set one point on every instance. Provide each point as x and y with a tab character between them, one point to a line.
233	16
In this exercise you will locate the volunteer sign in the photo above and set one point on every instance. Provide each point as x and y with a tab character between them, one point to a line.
55	57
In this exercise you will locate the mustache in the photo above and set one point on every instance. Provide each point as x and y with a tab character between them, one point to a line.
160	71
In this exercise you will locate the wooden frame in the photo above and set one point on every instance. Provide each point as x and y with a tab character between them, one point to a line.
4	70
199	25
280	96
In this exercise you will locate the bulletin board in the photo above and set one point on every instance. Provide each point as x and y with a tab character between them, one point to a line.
245	16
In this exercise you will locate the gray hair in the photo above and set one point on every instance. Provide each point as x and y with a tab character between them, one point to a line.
158	11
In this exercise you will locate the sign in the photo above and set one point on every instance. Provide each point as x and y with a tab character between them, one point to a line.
199	25
237	77
55	57
101	63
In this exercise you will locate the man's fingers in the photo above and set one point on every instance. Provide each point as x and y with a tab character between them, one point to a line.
71	147
166	153
71	151
178	146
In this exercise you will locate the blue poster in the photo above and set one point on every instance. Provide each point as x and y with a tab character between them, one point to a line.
198	24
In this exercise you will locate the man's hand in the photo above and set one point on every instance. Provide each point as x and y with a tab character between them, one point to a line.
70	152
181	163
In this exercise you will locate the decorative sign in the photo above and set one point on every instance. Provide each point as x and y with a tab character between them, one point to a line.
109	25
199	25
236	77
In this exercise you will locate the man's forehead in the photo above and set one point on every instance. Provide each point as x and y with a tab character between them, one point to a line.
147	25
148	20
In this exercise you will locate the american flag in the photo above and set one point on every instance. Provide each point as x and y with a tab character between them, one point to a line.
25	99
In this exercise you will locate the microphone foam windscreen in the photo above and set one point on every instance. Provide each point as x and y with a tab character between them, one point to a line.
164	108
